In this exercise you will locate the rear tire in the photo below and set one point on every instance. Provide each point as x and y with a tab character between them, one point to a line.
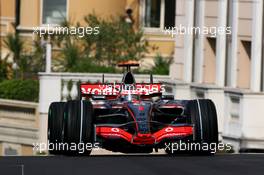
55	125
78	125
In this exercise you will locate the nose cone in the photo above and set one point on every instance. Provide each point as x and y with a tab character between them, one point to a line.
143	139
141	115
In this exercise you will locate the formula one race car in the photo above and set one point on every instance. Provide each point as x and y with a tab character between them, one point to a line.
131	117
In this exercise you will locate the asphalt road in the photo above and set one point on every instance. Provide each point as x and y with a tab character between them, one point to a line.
235	164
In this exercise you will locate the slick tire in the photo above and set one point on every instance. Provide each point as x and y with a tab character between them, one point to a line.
204	118
78	126
55	125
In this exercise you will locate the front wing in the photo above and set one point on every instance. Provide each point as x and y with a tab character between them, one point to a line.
168	132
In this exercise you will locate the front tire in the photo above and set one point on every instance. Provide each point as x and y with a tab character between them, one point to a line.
204	117
78	125
55	125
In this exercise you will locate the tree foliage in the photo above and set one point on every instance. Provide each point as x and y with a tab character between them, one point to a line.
3	69
27	90
28	63
116	41
161	65
14	44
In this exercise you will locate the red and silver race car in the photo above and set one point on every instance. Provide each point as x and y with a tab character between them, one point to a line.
131	117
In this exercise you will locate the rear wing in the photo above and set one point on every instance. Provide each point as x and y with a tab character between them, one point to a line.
116	89
128	64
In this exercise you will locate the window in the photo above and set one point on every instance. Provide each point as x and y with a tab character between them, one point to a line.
53	11
152	13
170	12
159	13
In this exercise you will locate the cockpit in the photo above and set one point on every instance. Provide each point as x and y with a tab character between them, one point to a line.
128	78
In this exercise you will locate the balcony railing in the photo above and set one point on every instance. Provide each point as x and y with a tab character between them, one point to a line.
18	122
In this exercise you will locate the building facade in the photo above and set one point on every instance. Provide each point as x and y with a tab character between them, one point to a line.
150	15
227	68
7	19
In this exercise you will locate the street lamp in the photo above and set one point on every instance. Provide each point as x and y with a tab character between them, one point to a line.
129	18
46	44
15	68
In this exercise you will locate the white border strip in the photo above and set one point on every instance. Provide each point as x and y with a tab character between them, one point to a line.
22	169
81	127
200	116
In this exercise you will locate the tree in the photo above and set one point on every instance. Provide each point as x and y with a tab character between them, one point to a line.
3	69
161	65
117	40
28	63
15	45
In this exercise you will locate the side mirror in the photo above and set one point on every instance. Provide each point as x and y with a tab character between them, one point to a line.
167	97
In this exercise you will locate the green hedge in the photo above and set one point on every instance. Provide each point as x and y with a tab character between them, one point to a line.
26	90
